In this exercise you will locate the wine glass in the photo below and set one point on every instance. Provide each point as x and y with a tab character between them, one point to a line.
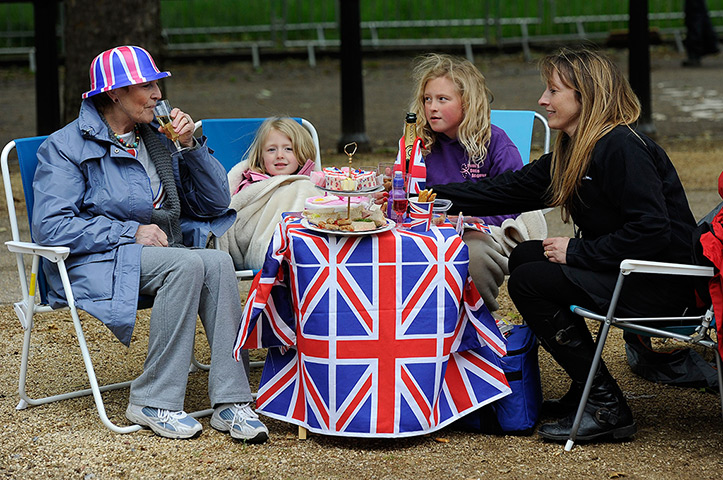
163	115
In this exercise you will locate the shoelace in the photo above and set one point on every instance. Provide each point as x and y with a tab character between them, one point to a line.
241	411
166	416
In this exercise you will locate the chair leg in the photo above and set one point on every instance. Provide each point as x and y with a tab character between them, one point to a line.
600	344
95	389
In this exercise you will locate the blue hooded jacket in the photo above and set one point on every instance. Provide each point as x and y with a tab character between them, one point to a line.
91	196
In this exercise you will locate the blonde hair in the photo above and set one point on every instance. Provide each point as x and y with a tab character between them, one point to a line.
301	142
606	101
474	132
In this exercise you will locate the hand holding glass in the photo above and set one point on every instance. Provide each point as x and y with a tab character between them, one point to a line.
163	115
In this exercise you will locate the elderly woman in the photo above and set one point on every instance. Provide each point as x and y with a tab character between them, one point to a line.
137	218
625	197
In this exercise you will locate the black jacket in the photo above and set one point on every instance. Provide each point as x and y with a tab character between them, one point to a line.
631	204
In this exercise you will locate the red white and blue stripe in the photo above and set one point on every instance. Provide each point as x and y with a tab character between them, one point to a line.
121	67
417	167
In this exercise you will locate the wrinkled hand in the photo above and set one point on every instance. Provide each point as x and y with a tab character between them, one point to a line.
556	249
151	235
184	127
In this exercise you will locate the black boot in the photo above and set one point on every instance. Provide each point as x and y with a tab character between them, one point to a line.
607	416
561	407
567	404
569	342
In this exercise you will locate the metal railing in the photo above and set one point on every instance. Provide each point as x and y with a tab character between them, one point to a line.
293	25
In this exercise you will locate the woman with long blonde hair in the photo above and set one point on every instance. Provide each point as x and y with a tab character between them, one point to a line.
626	200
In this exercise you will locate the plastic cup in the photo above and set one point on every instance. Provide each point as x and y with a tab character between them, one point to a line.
441	205
420	214
386	172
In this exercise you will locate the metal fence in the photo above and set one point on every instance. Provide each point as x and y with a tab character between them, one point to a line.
312	25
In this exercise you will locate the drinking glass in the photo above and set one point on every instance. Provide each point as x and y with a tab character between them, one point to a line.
163	115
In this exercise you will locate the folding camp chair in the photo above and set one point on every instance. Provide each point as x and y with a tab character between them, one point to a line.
35	287
518	125
696	330
230	139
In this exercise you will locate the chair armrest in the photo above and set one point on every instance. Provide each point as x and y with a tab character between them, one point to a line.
54	254
662	268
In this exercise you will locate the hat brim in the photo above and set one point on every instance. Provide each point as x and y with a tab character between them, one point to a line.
126	83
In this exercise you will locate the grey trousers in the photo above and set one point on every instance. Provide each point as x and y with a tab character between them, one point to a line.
188	283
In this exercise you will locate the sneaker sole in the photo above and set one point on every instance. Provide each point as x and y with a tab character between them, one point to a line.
221	426
617	434
260	437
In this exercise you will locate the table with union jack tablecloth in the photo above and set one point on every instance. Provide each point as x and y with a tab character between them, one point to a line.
371	336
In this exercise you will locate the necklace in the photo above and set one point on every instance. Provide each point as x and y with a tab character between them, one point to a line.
133	144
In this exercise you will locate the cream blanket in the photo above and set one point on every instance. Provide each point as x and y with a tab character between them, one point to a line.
259	207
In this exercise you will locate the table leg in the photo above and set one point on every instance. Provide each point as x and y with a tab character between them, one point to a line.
302	433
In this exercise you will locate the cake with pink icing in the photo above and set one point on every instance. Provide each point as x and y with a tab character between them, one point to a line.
332	202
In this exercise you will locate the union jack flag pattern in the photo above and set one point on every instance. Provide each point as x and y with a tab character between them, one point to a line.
417	167
420	215
380	335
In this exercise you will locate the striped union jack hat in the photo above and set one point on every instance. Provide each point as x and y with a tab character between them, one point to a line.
120	67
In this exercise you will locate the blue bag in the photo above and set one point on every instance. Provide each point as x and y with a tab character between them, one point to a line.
518	412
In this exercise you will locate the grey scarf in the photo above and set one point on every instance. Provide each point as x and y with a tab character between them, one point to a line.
166	217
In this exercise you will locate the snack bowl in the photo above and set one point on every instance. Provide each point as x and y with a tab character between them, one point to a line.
441	205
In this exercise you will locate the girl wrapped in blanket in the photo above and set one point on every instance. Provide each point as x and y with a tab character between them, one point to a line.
272	179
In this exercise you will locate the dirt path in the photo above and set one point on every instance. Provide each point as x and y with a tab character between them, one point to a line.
680	431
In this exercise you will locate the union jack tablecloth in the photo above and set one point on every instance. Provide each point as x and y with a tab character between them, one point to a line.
371	336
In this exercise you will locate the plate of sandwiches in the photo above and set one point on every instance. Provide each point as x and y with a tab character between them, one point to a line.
348	227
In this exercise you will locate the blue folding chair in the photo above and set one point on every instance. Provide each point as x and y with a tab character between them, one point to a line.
34	289
230	138
518	125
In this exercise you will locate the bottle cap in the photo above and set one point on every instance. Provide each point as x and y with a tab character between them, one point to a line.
398	180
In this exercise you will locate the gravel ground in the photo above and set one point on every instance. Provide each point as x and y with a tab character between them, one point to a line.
680	434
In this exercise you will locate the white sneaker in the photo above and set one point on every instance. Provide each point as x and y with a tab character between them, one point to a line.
240	421
164	422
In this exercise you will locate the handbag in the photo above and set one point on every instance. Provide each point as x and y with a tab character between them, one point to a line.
518	412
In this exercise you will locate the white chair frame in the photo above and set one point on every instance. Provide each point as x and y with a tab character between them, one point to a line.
700	335
29	306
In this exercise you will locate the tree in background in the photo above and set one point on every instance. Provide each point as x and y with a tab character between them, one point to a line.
92	27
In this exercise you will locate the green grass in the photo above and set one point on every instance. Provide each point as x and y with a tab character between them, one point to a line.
212	13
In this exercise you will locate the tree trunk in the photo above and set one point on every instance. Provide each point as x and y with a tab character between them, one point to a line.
92	27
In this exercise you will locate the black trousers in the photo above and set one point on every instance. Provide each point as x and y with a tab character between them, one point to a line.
701	38
538	287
